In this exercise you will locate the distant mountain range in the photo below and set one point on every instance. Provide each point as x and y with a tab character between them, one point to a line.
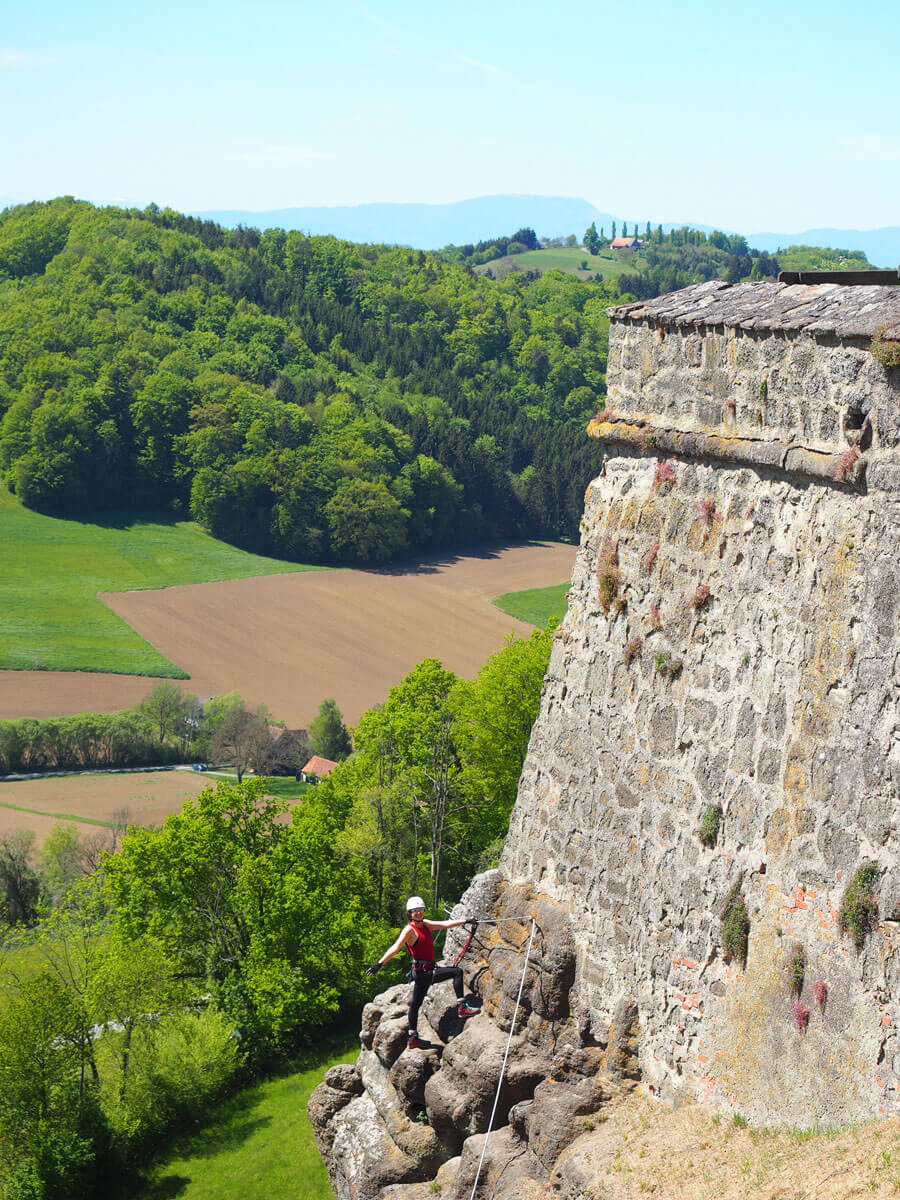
430	226
880	246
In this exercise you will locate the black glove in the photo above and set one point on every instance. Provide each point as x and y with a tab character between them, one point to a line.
373	970
472	923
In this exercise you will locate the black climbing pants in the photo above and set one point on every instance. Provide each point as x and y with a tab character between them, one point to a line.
422	981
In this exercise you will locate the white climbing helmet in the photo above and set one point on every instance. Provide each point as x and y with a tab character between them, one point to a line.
414	902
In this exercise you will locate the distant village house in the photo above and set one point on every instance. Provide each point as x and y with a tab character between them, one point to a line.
317	768
625	243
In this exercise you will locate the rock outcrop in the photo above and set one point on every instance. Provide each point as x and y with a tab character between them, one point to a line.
706	829
410	1119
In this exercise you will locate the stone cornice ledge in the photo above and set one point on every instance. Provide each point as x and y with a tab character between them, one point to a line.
793	458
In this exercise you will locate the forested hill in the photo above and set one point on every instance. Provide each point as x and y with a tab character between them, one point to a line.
304	397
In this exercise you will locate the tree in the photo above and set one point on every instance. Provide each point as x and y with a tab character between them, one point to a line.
493	716
592	239
19	883
365	522
420	718
48	1116
571	240
60	862
165	708
264	914
242	738
328	735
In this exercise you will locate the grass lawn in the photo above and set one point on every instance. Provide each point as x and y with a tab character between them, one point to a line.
50	617
565	258
285	787
258	1145
536	605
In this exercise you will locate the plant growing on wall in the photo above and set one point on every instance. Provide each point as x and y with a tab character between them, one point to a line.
844	464
800	1015
708	514
649	558
885	350
608	574
667	666
655	618
858	914
820	992
710	823
632	650
796	968
735	926
700	598
663	476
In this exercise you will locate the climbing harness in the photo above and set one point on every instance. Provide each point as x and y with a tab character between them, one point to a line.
512	1029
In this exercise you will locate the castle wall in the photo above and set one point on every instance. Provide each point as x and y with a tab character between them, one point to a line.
777	697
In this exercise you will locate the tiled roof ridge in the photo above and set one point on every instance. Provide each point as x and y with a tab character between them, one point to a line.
823	308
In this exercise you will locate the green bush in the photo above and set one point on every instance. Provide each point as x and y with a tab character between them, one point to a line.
859	909
710	823
735	926
179	1066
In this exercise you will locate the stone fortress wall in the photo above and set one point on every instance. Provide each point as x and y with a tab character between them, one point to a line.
731	648
732	639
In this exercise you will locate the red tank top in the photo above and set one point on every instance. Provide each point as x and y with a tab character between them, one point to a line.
422	948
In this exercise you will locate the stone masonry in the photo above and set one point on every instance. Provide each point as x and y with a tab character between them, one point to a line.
729	664
732	640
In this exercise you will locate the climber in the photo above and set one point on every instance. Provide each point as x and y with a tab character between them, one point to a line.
416	935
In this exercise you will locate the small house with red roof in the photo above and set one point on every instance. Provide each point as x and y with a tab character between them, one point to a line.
317	768
625	243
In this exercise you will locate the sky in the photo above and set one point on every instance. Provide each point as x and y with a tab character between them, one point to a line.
756	116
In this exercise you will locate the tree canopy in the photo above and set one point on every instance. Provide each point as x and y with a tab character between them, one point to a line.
303	397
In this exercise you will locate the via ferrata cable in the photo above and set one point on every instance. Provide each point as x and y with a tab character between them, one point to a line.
512	1029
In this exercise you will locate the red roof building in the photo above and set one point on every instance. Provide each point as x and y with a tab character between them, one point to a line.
625	243
317	768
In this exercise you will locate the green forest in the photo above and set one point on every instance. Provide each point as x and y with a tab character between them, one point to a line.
302	397
145	974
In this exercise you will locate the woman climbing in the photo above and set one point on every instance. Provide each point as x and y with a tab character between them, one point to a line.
417	936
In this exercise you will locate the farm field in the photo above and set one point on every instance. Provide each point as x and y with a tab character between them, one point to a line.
50	617
94	800
564	258
537	606
291	640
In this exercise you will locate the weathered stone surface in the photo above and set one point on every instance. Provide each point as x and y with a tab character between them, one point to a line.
411	1072
509	1171
778	602
344	1077
564	1103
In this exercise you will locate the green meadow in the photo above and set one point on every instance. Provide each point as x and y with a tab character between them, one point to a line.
536	605
50	617
258	1145
565	258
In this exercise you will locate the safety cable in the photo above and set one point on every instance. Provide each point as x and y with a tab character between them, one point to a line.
512	1029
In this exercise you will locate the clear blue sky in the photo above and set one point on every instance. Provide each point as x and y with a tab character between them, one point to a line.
754	116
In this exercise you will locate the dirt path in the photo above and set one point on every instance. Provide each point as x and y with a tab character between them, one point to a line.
292	640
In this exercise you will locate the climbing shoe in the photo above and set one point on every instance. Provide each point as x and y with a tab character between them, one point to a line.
465	1011
417	1043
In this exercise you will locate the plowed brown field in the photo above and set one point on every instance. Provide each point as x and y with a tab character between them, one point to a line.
147	798
291	640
